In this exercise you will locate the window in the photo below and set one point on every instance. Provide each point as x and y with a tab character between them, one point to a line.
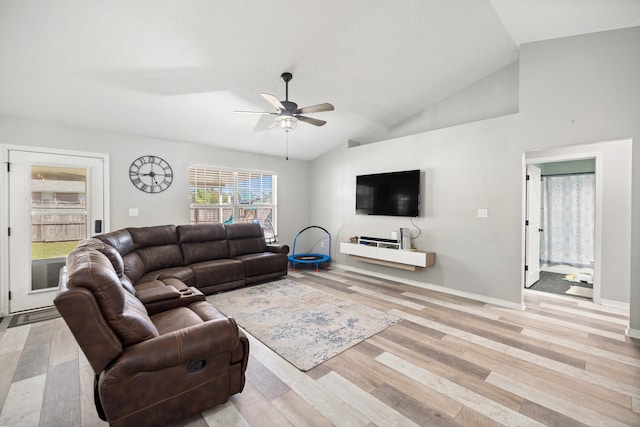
225	196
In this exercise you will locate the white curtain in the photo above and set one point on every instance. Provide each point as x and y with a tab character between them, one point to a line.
568	220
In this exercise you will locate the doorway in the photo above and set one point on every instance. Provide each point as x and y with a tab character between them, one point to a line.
560	226
56	199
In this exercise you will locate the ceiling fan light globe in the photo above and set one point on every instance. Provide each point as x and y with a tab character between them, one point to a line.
287	122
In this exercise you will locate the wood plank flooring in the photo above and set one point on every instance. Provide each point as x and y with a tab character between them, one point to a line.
449	362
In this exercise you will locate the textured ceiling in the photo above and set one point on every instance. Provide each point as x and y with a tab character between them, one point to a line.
177	70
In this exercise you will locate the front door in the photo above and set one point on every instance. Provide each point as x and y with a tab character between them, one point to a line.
56	200
533	229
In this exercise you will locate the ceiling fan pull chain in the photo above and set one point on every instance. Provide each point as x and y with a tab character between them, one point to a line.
286	156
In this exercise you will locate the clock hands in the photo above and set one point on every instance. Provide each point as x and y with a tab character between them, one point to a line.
153	175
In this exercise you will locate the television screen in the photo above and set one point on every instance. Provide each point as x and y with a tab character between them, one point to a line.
390	194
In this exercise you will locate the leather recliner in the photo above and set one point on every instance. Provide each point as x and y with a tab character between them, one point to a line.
151	369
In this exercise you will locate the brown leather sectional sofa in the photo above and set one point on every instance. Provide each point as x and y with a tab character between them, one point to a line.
134	300
210	257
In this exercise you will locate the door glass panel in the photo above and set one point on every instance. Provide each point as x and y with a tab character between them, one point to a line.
58	220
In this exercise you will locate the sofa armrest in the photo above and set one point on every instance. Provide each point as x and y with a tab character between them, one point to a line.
278	249
198	342
160	293
167	297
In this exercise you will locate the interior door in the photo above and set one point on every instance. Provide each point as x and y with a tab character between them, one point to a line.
532	225
56	200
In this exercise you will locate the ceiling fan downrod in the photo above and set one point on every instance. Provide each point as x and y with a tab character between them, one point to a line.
286	76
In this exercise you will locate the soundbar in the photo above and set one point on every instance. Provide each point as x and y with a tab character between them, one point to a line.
378	239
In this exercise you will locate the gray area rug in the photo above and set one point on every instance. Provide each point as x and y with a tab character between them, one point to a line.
562	284
33	317
302	324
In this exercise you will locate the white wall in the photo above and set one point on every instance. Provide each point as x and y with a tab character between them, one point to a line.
172	205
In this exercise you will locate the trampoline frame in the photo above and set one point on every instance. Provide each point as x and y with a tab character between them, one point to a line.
312	258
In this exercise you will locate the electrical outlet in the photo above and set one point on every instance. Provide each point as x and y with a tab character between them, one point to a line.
483	213
133	212
322	244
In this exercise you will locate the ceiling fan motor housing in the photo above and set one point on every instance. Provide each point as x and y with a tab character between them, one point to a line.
289	107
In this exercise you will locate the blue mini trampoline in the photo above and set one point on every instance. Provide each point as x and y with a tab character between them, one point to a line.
309	258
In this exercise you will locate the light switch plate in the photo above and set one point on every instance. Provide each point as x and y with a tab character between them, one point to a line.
133	211
483	213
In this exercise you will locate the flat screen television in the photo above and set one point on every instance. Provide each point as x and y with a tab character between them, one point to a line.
389	194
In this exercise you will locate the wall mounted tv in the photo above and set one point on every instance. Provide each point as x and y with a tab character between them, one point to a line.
389	194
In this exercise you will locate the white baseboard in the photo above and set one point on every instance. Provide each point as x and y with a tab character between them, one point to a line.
615	304
633	333
432	287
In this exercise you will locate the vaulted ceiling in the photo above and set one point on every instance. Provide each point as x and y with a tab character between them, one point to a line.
177	70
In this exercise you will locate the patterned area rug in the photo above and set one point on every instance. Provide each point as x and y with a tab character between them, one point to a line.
302	324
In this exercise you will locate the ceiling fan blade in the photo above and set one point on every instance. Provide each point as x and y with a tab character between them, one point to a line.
311	120
273	101
315	108
256	112
263	123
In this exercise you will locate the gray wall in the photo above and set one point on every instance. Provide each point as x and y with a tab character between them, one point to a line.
466	168
586	89
572	91
172	205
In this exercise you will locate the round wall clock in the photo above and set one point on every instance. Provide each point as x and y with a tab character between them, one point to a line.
151	174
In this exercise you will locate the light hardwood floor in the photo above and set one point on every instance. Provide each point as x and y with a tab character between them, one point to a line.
450	362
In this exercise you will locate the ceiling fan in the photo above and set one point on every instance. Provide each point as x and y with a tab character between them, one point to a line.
288	112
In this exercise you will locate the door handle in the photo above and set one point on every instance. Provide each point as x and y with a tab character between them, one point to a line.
98	226
540	230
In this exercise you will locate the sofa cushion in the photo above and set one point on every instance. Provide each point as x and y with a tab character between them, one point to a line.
133	266
183	273
184	317
125	314
107	250
121	240
263	263
215	272
201	232
202	242
245	238
158	235
157	246
160	257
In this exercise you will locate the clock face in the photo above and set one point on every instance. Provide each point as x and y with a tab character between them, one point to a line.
151	174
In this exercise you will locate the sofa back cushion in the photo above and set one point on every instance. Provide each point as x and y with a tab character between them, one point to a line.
121	240
202	242
114	256
245	238
107	250
157	247
126	315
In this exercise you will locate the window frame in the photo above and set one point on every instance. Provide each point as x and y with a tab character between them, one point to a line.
230	207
